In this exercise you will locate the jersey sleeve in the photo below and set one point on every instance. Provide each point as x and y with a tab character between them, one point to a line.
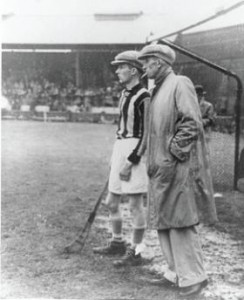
140	148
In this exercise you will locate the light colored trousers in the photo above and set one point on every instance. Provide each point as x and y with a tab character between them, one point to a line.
182	250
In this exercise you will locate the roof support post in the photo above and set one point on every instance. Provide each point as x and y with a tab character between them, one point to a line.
77	68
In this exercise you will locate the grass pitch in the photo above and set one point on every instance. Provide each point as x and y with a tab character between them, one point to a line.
52	174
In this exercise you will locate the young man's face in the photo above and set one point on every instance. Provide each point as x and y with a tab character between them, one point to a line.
125	73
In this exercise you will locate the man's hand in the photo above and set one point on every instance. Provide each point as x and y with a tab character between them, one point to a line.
125	173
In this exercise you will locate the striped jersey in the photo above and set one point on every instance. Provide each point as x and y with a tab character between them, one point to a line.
131	107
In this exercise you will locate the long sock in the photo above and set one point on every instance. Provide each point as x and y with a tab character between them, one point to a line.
137	237
116	223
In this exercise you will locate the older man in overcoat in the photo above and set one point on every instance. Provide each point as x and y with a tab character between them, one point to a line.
181	192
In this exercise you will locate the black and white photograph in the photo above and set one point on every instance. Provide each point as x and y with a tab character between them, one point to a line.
122	149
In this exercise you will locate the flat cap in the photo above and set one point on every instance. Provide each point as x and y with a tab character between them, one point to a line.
160	51
128	57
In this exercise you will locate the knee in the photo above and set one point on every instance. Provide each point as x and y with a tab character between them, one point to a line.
138	219
138	215
112	203
136	205
136	211
113	208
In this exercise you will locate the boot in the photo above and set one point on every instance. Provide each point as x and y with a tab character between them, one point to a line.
113	248
129	259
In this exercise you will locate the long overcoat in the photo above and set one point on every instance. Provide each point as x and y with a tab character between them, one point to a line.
180	184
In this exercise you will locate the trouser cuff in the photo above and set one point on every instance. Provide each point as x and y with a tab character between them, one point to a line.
188	282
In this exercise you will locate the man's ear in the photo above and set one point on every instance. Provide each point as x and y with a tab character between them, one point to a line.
134	71
159	62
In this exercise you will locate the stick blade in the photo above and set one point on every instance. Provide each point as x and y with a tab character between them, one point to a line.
78	244
74	247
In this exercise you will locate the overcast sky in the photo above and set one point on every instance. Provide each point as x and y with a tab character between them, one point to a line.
175	14
179	7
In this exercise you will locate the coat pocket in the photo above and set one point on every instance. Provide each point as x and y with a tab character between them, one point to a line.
164	172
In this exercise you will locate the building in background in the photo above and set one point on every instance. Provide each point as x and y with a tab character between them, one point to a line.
65	48
73	49
225	47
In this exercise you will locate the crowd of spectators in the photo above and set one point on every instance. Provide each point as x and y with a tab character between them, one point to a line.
58	97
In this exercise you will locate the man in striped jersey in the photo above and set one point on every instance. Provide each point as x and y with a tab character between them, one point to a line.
128	170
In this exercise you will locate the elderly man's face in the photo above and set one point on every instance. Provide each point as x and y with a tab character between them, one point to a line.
125	73
151	66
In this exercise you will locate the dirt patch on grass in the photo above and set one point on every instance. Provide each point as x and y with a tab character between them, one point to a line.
52	175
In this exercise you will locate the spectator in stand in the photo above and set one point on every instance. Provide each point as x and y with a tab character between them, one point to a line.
116	93
5	105
70	88
54	94
4	88
63	94
87	102
28	98
78	98
46	84
34	89
108	101
44	99
207	111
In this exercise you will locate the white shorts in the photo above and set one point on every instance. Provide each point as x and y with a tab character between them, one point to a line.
138	182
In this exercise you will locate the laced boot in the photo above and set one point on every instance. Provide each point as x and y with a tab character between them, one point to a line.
112	248
129	259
